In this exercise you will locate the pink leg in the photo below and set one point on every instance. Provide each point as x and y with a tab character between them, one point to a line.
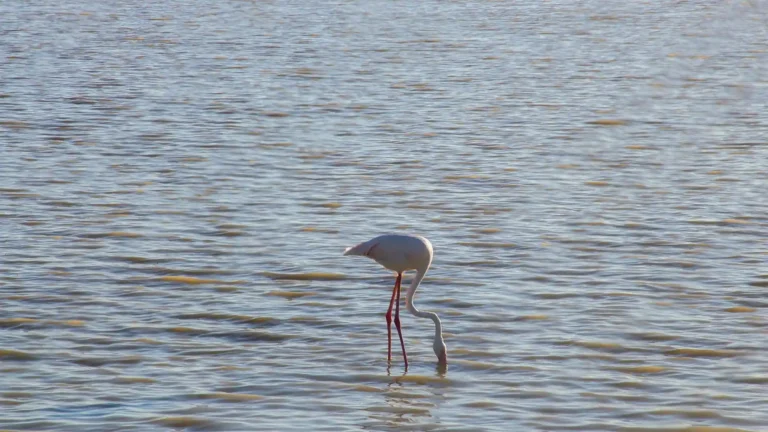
397	320
389	318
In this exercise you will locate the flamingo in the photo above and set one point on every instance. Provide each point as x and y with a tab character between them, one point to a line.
399	252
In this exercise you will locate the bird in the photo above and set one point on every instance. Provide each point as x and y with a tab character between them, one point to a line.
399	253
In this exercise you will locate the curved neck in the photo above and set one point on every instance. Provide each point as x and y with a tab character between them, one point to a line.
420	273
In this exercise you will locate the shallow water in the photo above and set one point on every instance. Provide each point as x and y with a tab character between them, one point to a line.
179	180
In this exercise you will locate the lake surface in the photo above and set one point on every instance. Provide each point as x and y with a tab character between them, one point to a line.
179	180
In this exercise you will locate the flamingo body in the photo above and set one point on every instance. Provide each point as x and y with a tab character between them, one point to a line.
396	252
400	253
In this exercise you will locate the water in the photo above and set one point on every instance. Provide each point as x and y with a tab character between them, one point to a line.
179	180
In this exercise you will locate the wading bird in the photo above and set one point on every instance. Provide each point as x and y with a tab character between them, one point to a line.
399	253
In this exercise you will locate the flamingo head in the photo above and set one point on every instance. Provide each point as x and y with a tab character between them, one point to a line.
441	351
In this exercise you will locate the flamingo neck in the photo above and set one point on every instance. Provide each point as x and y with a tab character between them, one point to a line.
439	344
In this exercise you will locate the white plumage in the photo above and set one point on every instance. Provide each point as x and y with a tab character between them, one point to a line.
399	253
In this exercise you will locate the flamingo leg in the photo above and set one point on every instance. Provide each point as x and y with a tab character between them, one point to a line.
389	317
397	320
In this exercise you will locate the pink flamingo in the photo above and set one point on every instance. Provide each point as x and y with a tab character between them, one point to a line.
398	252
